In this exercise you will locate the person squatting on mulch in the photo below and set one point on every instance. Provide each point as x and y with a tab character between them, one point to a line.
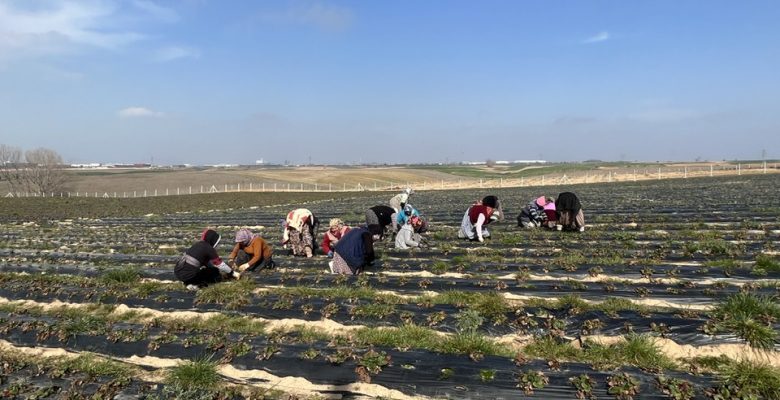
250	252
200	265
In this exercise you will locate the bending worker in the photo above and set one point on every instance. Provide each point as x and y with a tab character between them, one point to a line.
335	232
200	265
299	232
353	253
378	218
399	201
473	225
251	251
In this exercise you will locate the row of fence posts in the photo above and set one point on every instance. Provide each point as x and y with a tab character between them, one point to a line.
290	187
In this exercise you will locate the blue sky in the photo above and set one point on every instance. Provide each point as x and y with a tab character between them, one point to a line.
206	82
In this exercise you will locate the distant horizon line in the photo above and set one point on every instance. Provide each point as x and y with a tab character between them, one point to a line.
375	164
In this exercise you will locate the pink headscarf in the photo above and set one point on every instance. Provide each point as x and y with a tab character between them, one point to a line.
541	201
244	236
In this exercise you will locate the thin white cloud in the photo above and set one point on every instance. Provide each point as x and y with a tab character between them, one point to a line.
57	26
599	37
139	112
164	14
171	53
320	15
665	115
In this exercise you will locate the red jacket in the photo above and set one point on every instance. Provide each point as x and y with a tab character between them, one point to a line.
477	209
331	237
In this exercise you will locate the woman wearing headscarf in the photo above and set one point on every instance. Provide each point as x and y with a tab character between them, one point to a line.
399	201
536	214
250	251
570	216
200	265
473	225
408	212
299	228
353	253
409	234
335	232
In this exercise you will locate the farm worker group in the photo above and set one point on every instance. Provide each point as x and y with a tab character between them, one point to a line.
564	213
352	249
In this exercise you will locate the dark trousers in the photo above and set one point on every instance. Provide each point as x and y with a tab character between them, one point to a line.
204	277
242	257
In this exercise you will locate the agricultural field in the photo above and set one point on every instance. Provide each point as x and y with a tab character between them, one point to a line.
670	293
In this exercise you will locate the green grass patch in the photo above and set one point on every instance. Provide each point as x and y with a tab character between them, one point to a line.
473	345
310	335
637	350
749	317
745	380
458	298
373	310
439	267
95	366
767	263
405	337
613	305
200	374
492	306
121	275
339	292
550	348
232	294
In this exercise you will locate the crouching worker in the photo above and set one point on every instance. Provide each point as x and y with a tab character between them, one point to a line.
474	220
494	203
353	253
404	217
537	213
200	265
409	234
335	232
299	232
250	252
570	216
378	218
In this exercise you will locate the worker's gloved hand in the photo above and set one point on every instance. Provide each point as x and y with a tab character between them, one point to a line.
330	254
481	240
224	268
231	263
243	267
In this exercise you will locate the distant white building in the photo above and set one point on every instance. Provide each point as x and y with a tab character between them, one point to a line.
88	165
529	162
259	162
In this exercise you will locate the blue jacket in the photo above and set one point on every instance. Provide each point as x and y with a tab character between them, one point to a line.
402	217
356	247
